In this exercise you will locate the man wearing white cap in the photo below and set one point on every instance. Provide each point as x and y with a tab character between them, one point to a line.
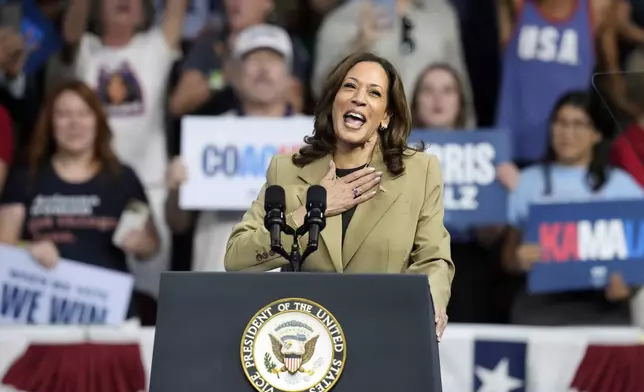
205	83
263	55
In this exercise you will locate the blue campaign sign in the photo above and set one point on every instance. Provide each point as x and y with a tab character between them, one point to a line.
471	195
582	244
40	34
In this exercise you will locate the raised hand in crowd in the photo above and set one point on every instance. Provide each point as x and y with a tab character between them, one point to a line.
368	27
373	20
13	52
45	253
617	289
527	255
508	175
344	193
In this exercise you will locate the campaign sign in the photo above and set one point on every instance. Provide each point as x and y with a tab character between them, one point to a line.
227	157
471	193
583	243
70	293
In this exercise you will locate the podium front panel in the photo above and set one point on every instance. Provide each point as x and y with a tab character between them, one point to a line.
387	321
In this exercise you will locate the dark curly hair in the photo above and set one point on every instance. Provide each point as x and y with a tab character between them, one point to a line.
393	139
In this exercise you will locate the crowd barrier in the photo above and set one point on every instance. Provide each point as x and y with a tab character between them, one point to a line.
530	359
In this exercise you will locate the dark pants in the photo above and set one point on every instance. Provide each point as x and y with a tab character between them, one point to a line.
479	286
572	308
144	307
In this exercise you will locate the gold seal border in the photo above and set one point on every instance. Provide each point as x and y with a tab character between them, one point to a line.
291	299
328	369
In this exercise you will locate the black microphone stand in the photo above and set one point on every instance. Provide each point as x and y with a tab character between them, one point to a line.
295	258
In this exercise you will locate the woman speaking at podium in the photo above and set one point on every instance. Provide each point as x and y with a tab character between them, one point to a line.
384	199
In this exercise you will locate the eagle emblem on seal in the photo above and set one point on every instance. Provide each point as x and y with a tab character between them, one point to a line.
293	345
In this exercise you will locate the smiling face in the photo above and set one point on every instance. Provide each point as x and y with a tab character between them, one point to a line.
573	136
439	100
360	105
74	124
122	13
263	77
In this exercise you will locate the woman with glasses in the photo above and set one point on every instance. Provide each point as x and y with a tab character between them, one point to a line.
574	169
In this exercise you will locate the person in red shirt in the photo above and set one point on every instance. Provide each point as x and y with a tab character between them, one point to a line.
628	151
6	145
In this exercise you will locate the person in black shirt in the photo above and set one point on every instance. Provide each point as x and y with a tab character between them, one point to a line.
66	202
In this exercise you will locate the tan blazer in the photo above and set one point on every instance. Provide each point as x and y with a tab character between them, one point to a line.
400	230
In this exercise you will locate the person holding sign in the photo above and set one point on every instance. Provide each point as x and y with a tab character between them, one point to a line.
70	200
263	57
439	101
439	105
574	170
384	199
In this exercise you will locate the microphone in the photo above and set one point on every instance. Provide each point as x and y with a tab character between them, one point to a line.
274	220
315	219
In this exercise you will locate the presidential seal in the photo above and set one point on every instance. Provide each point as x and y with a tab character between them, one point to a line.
293	345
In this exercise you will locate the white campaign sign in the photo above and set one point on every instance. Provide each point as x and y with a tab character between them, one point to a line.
227	157
70	293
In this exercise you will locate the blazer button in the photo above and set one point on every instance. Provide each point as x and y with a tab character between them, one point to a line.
258	257
265	255
271	253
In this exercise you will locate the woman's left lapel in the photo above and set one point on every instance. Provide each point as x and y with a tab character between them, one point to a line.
368	214
332	233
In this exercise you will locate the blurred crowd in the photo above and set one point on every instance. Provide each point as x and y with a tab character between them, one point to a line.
91	101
